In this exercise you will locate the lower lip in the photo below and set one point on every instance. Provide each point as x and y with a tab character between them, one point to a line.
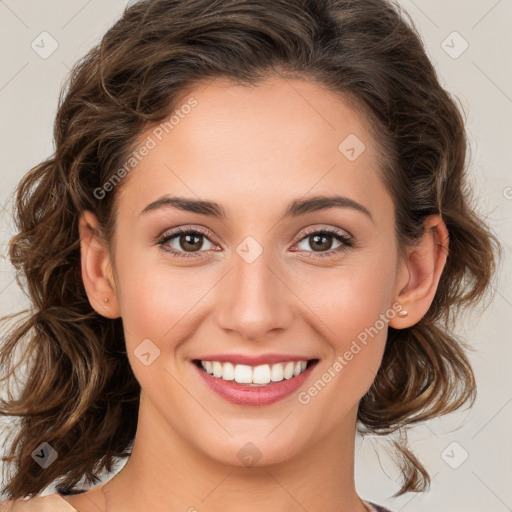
255	395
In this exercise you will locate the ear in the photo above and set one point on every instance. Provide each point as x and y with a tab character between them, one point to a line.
420	271
97	272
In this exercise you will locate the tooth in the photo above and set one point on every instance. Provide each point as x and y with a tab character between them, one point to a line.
216	369
258	375
276	373
228	371
261	374
243	374
288	370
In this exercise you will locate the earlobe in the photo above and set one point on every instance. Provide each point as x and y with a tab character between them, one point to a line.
422	269
96	268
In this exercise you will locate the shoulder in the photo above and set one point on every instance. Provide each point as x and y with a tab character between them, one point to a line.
51	503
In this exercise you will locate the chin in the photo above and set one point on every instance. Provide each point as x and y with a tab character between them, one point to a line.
251	451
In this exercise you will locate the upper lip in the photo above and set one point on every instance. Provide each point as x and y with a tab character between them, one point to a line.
253	360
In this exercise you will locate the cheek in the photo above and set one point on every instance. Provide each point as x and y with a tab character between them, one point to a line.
348	298
351	307
354	326
158	300
157	304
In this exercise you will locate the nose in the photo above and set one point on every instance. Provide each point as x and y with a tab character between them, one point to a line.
255	301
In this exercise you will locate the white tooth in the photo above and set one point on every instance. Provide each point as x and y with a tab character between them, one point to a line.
261	374
228	371
277	372
243	374
288	370
216	369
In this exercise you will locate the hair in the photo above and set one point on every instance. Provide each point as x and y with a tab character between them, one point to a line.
80	394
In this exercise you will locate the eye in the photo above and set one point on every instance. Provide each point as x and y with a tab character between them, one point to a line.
183	243
190	243
321	241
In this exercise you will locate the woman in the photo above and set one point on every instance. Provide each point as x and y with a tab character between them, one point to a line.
248	246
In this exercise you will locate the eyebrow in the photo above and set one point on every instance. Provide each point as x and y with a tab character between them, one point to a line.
296	207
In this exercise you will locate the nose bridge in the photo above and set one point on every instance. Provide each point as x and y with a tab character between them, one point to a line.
254	300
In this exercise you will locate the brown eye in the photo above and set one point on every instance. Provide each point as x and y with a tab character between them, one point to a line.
190	242
320	242
325	242
185	242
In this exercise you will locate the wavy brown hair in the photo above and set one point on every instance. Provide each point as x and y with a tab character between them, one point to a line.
80	394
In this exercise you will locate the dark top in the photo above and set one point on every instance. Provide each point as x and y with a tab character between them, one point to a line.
378	508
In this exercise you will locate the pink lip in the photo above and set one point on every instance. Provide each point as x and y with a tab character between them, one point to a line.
253	396
253	360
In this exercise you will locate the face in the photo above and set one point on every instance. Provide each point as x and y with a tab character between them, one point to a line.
276	278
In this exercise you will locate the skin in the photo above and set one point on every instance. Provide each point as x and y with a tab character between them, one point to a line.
253	150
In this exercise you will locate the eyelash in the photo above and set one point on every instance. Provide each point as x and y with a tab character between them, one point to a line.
347	241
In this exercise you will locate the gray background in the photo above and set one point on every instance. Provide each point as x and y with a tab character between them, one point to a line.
480	77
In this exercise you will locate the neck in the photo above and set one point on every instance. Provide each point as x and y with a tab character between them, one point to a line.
165	473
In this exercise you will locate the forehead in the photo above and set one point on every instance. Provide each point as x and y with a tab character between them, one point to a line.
245	145
301	114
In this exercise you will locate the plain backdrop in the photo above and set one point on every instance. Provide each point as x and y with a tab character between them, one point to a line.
468	453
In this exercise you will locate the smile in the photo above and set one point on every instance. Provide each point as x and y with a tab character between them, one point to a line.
254	375
256	384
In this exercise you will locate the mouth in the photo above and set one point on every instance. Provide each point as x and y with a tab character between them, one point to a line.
254	384
260	375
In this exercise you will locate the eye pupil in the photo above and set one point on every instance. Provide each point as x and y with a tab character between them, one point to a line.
323	246
185	241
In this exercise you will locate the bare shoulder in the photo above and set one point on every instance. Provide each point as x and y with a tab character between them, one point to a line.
51	503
